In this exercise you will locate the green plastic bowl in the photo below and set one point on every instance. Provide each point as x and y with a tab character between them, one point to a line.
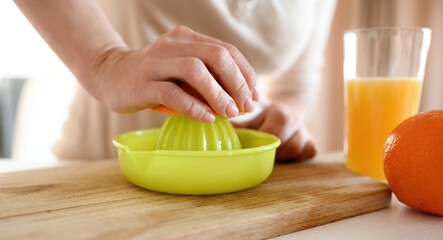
196	172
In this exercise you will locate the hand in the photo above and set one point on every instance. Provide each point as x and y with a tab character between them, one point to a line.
130	80
296	142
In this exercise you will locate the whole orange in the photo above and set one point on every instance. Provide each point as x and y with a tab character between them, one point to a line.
413	161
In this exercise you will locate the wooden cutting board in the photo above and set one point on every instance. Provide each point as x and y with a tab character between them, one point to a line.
94	200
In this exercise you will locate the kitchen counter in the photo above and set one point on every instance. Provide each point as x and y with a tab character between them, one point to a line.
395	222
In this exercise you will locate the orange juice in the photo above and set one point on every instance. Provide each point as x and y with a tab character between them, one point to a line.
374	107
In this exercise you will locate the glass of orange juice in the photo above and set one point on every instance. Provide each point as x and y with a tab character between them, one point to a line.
383	77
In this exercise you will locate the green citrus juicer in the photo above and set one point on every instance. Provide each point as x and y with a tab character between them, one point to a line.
196	172
182	133
193	158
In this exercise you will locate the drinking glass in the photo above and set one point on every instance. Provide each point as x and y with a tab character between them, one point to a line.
383	77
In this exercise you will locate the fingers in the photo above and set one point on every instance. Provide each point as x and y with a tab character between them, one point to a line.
219	61
169	94
298	148
309	152
244	66
277	121
214	69
296	143
274	120
185	34
193	71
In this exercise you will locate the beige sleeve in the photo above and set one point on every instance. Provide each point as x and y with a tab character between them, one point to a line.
299	86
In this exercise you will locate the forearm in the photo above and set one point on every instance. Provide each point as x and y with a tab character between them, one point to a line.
76	30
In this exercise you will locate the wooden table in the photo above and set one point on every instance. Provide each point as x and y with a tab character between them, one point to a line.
93	200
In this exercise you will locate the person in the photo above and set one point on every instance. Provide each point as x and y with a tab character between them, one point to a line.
129	56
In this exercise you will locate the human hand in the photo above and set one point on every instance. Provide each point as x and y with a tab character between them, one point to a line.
130	80
296	142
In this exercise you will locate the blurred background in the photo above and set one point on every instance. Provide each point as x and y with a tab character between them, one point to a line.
36	88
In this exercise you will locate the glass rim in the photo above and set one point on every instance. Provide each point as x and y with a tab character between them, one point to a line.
359	30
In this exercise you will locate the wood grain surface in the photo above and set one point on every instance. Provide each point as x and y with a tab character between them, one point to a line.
94	201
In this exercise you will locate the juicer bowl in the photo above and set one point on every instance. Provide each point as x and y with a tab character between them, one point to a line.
196	172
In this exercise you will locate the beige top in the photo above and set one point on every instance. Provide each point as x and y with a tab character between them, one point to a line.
283	39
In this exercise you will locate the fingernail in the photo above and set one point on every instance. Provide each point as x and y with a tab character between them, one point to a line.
249	106
255	95
232	110
208	117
